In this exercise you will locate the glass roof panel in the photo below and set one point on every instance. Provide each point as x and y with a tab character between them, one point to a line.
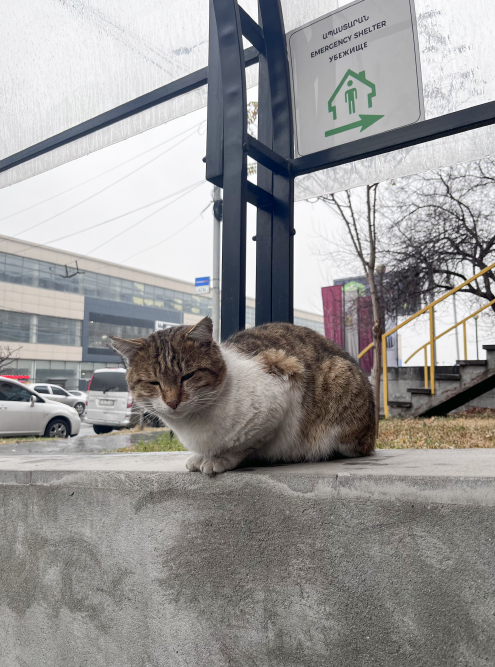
63	62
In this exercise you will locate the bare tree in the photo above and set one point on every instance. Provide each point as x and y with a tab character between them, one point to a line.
358	211
441	229
7	357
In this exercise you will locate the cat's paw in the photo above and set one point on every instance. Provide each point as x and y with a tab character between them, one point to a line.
193	463
215	466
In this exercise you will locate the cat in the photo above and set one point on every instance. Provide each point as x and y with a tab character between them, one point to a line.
277	392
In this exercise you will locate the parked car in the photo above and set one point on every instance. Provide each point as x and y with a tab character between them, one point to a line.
80	394
109	401
24	412
56	393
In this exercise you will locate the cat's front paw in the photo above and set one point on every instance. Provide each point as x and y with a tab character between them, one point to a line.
215	466
193	463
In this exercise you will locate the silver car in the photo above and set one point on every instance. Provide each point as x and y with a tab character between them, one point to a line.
23	412
55	393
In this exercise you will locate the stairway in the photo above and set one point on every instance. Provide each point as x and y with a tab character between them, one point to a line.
454	386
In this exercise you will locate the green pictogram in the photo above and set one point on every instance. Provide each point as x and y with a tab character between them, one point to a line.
364	123
358	87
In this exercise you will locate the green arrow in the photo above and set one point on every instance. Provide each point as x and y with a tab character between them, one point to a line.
364	123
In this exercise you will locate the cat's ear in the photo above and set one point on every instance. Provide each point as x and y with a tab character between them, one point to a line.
202	331
126	348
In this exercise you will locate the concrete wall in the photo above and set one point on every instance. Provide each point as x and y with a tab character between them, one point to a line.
130	561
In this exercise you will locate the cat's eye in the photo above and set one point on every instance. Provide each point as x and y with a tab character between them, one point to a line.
187	376
155	383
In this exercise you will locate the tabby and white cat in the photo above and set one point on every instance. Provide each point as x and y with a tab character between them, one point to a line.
277	392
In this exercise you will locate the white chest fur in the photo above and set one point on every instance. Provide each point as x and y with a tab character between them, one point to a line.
252	407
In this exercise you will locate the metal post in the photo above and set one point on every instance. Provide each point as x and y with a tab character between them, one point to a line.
432	349
456	330
476	334
234	167
215	282
283	144
385	377
264	219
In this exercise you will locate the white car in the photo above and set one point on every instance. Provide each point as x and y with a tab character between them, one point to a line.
55	393
24	412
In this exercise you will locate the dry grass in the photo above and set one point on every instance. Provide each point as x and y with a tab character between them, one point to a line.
453	432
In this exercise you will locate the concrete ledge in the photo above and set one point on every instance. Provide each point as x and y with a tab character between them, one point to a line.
130	561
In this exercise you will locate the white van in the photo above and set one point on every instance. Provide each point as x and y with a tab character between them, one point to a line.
109	401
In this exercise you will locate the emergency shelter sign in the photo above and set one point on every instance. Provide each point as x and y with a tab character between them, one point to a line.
355	72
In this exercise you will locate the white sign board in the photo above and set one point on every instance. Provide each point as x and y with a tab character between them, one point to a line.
355	73
202	285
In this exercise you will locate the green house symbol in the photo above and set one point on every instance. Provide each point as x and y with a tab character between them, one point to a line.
352	76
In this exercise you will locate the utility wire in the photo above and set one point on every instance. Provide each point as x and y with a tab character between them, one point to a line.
122	215
185	190
38	224
150	215
157	245
20	253
103	173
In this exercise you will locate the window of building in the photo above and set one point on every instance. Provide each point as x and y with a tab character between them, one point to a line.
46	275
100	332
14	326
58	331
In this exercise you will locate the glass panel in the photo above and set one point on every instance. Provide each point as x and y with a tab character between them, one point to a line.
463	147
13	269
57	391
90	281
14	326
47	278
129	44
30	272
12	392
111	381
59	331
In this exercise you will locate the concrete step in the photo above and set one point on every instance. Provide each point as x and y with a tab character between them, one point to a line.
419	390
471	362
447	377
400	404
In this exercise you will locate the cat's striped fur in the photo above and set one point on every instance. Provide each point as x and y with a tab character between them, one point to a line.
277	392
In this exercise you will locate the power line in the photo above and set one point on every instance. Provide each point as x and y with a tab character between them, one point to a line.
122	215
157	245
107	171
135	224
38	224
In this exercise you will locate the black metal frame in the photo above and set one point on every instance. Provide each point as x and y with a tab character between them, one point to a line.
228	146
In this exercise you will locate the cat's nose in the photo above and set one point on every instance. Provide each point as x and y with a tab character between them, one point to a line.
173	404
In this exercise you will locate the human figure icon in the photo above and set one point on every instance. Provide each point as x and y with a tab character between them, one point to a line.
350	97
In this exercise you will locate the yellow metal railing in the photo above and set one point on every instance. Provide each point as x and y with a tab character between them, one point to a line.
432	340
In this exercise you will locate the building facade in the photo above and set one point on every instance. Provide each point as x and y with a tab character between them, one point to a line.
58	309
